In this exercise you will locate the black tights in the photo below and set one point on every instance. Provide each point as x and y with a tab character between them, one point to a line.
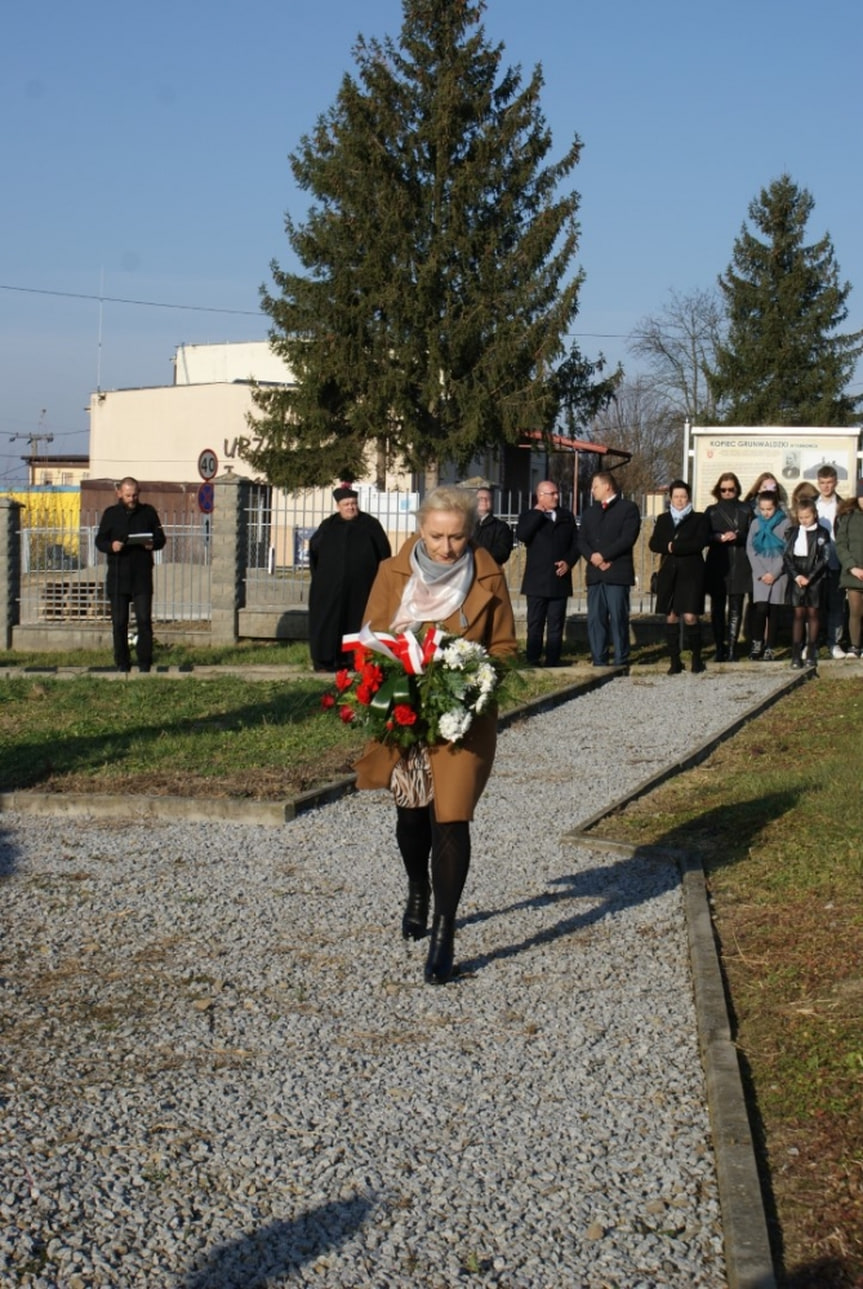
764	615
417	834
805	616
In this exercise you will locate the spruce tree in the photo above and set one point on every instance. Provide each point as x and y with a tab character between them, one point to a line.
783	361
430	319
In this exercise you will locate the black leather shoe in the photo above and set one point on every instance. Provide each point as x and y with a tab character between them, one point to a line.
439	962
416	911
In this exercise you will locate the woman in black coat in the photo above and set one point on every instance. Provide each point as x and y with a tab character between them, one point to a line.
679	536
727	572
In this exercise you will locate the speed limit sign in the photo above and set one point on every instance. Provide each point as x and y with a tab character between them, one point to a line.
208	465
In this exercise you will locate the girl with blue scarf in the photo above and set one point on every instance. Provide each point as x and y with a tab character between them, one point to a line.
765	547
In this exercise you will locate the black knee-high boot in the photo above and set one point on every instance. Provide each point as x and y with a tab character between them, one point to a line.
717	623
692	634
672	639
450	864
414	837
735	617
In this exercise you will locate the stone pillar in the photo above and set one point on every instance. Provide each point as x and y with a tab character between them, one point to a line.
10	568
230	555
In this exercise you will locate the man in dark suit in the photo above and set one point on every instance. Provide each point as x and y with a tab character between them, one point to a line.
550	536
128	534
608	531
491	533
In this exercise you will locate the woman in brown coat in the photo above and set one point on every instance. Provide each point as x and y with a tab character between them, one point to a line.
440	579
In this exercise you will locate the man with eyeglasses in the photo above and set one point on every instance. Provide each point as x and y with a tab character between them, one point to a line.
549	534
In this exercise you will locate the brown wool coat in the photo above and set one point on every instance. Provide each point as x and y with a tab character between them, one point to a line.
459	771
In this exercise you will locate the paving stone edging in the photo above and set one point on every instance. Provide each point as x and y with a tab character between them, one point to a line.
748	1257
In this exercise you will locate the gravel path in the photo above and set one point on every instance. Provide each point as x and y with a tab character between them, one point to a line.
223	1071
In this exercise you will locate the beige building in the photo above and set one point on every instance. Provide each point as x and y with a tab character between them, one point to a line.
160	432
60	470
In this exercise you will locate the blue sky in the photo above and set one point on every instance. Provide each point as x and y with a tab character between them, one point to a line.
144	156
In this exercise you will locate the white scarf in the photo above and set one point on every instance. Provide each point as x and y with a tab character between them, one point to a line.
679	515
801	541
433	591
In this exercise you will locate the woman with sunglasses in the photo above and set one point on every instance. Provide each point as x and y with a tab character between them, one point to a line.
728	575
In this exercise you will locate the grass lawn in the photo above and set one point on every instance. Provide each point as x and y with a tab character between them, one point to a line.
215	735
776	815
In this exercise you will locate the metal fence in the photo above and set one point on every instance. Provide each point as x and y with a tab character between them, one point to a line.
280	525
63	574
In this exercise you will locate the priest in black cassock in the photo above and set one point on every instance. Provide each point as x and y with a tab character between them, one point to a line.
344	554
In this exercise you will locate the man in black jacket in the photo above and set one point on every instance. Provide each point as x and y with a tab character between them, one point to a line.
491	533
128	534
606	536
549	533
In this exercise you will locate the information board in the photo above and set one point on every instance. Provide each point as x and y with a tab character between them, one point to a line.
791	454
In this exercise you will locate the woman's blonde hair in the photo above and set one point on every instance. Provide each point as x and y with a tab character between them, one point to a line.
448	497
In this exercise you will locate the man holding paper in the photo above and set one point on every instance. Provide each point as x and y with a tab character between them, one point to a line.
128	534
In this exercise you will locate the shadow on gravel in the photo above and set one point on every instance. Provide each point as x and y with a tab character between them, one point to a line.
255	1260
8	855
629	881
611	887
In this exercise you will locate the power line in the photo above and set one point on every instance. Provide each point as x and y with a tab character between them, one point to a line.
118	299
204	308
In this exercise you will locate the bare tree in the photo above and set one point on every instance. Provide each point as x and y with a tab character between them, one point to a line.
641	421
679	346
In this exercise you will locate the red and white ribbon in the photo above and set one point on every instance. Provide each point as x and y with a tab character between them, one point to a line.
404	648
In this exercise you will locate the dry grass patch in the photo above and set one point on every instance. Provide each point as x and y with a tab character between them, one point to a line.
775	815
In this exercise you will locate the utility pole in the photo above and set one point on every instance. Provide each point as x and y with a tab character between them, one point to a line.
34	440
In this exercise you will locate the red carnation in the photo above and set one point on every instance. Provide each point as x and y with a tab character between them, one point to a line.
344	679
404	715
364	695
328	701
372	675
346	714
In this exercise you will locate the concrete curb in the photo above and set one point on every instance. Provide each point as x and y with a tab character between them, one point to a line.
748	1257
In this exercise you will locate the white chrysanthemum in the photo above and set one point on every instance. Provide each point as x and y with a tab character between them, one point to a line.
454	724
486	677
458	653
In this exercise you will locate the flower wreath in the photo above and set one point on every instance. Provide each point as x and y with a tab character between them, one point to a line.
406	692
